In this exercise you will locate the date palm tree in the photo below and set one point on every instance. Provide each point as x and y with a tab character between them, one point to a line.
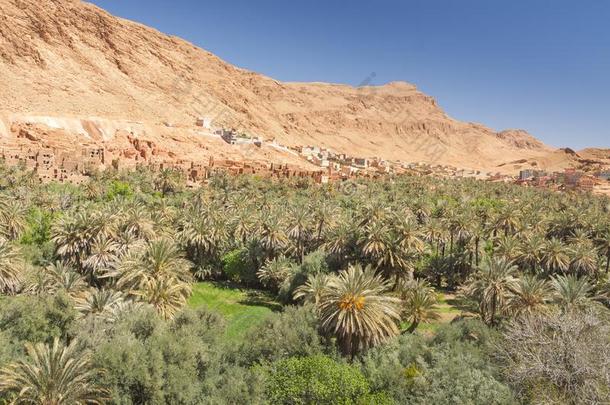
273	237
603	244
530	253
299	228
421	210
72	236
99	303
491	286
53	375
373	241
62	277
158	259
530	295
393	260
340	239
324	214
410	235
357	308
165	214
11	267
572	292
459	230
137	221
242	226
508	247
478	233
555	257
373	211
168	181
166	295
419	304
102	258
506	221
580	236
127	241
434	233
563	225
93	190
274	272
12	219
313	289
203	235
584	258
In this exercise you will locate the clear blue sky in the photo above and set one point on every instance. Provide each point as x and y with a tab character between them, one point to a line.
543	66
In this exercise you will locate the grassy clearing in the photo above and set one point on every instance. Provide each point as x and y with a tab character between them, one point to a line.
447	310
245	308
242	308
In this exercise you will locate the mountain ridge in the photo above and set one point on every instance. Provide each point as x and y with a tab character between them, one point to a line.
72	59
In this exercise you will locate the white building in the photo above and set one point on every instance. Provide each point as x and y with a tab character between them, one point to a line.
204	122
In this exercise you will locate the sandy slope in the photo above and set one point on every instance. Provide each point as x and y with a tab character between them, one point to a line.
67	59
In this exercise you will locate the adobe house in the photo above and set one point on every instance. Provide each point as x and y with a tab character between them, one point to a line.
204	122
229	136
586	183
362	163
45	158
604	175
571	177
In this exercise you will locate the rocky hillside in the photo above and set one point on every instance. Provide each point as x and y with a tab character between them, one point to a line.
66	59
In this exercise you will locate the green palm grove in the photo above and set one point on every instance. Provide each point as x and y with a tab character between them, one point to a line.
370	264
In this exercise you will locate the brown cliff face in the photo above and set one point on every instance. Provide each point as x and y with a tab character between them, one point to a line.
72	60
520	139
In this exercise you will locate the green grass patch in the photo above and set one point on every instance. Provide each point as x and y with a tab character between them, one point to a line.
446	306
243	308
447	310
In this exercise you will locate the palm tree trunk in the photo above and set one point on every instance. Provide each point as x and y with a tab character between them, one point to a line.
413	326
492	320
476	251
79	265
300	249
347	348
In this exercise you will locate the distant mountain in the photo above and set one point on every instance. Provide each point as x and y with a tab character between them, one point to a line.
74	69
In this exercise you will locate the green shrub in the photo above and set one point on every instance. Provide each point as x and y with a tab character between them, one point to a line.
451	368
38	229
151	361
8	350
291	333
455	377
314	380
36	319
118	188
473	331
231	384
378	398
238	267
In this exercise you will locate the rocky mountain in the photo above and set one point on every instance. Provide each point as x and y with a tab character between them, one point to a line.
70	70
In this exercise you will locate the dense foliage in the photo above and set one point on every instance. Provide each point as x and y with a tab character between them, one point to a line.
95	280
